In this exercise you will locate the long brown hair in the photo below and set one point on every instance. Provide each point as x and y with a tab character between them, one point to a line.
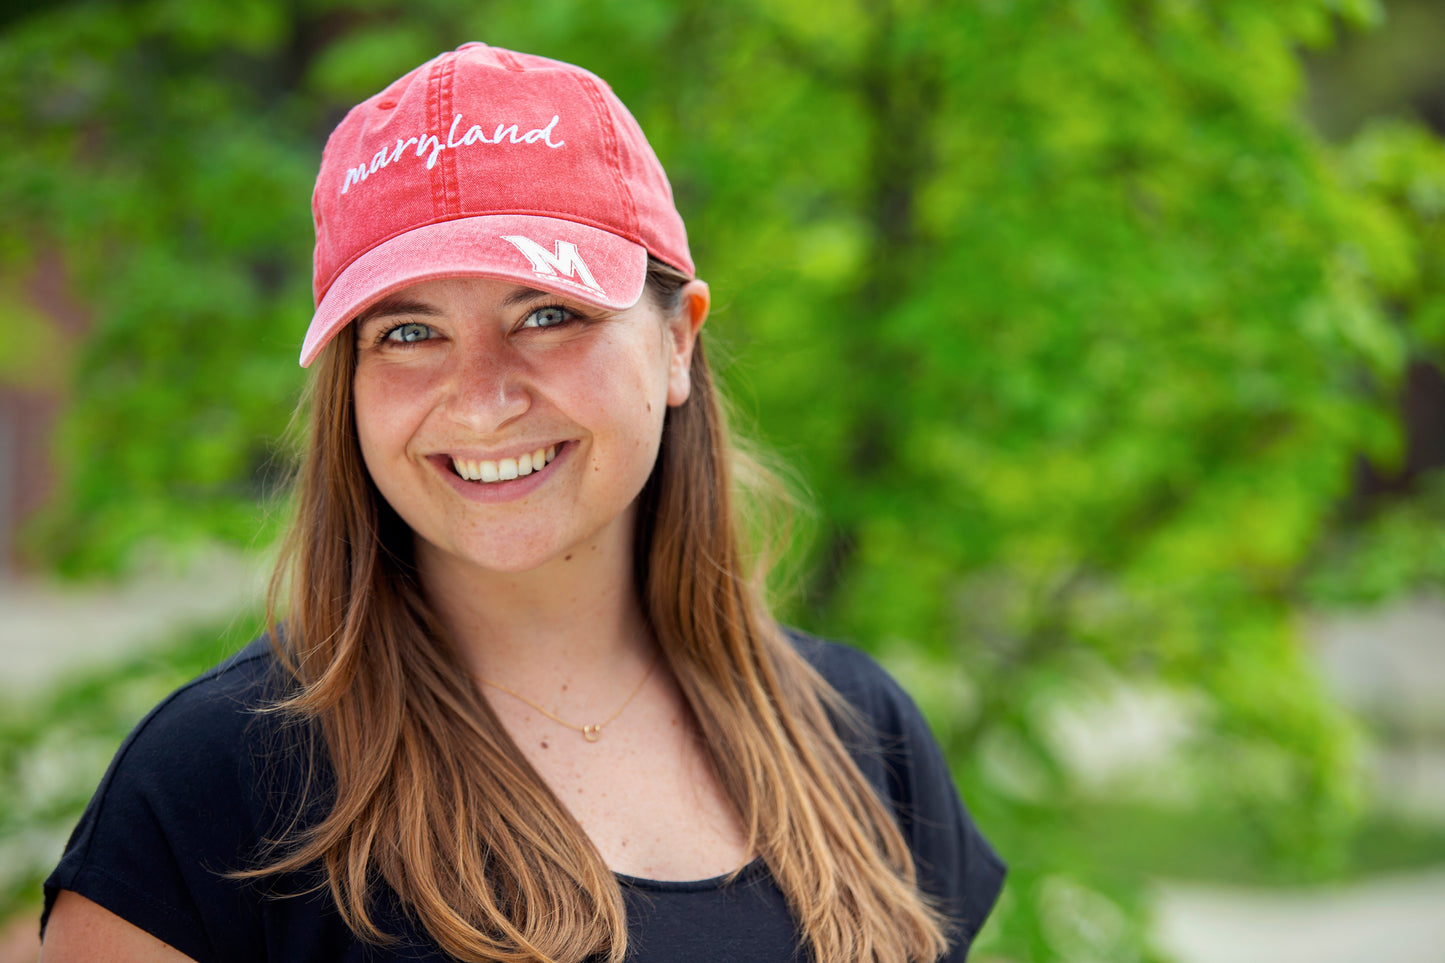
431	795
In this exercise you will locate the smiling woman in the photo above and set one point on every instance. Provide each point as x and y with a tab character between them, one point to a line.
521	698
470	372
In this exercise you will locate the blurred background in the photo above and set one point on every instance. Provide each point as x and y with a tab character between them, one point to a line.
1105	336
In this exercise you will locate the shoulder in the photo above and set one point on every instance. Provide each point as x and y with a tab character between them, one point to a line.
893	747
212	717
866	686
189	797
202	746
209	751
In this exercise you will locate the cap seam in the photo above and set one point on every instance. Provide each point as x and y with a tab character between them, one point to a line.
451	182
448	182
609	140
433	113
507	61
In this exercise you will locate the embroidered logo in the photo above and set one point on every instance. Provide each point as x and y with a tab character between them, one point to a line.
563	264
431	145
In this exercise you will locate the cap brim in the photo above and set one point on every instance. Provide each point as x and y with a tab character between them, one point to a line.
567	258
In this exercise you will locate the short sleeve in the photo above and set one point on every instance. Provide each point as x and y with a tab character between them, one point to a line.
955	861
956	864
176	812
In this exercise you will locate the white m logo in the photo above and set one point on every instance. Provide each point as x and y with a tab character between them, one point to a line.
565	262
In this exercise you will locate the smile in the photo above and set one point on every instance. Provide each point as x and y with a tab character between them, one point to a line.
504	469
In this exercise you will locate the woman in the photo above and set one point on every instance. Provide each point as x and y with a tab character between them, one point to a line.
527	702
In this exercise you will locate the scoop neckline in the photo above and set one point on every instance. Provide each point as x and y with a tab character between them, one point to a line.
748	871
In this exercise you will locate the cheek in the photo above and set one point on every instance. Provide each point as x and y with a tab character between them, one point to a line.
370	421
625	379
622	399
383	418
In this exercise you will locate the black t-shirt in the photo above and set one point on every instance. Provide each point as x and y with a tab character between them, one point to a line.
204	779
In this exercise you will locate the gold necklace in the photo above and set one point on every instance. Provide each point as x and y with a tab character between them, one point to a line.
590	732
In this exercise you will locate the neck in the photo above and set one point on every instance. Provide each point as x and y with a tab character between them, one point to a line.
575	621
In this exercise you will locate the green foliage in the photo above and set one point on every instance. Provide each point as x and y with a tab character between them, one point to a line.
1399	550
1075	330
177	190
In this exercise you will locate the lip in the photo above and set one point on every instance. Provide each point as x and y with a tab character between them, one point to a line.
500	491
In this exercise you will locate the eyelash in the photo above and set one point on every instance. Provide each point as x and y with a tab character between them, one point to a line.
384	336
568	316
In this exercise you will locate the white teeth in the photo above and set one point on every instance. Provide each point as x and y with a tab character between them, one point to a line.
507	468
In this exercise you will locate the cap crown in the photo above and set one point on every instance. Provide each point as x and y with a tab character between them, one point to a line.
484	131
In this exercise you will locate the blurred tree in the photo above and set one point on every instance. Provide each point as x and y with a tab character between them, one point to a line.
1075	329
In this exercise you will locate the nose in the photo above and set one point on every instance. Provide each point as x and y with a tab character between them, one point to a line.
487	385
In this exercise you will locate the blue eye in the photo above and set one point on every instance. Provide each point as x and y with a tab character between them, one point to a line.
548	317
409	332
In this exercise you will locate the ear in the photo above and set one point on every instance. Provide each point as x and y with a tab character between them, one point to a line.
682	331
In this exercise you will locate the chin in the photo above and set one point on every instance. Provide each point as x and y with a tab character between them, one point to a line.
500	562
513	552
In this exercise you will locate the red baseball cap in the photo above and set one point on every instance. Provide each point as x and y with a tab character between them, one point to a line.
488	163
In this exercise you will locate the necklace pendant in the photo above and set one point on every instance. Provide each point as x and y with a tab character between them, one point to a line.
591	733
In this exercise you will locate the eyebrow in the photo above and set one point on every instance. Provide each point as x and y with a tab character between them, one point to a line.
524	295
397	305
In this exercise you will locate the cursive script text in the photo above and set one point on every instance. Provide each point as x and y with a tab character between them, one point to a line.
431	145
